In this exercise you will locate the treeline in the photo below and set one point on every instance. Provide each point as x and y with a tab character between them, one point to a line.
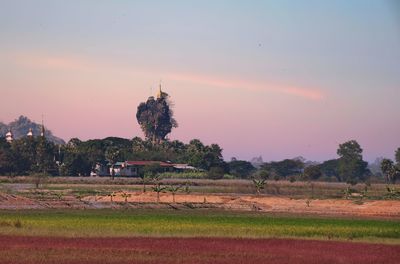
349	167
28	156
32	155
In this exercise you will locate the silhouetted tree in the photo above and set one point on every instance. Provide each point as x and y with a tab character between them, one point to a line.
240	168
112	154
6	159
390	170
285	167
397	155
330	168
352	168
155	117
312	172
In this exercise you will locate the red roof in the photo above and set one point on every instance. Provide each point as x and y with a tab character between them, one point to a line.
149	162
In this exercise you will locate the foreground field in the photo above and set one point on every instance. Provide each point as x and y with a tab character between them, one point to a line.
296	190
192	236
192	223
91	220
45	199
38	250
321	199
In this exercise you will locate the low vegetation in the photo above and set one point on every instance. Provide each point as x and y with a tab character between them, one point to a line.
108	223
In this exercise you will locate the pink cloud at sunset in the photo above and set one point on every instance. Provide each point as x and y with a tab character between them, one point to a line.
76	63
311	94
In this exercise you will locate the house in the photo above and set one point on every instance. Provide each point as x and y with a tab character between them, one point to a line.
135	168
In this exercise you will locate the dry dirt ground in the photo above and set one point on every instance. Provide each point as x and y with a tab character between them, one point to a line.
334	207
382	208
37	250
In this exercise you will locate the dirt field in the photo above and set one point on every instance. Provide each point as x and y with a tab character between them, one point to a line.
324	207
366	208
36	250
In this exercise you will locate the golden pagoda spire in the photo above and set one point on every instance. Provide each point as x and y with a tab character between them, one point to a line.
160	92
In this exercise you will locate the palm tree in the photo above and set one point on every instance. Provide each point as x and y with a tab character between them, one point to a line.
158	188
174	190
347	192
111	196
126	196
259	185
144	177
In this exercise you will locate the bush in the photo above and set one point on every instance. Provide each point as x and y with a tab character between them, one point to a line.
184	175
216	173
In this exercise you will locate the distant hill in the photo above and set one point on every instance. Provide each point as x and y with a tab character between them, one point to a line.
21	126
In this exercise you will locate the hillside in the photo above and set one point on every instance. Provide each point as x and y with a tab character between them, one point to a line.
21	126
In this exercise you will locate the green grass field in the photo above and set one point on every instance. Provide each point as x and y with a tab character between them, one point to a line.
162	223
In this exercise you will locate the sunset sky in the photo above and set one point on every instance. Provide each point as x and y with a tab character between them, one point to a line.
273	78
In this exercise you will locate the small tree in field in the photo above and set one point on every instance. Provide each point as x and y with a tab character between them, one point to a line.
158	188
112	195
151	172
144	179
173	190
259	185
390	170
126	196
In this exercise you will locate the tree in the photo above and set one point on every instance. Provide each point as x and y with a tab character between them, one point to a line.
112	195
261	174
397	155
285	167
330	168
216	173
144	179
240	168
390	170
259	184
112	154
74	164
352	168
6	161
126	196
155	117
173	190
158	188
151	172
312	172
45	153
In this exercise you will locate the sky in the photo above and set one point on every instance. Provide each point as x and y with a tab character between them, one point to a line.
278	79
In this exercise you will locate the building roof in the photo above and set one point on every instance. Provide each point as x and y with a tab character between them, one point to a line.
149	162
184	167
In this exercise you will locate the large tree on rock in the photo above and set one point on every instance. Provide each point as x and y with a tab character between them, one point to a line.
155	117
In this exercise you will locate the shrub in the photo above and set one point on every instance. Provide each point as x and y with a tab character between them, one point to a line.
216	173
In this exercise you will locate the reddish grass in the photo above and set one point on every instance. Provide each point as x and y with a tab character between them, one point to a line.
14	249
